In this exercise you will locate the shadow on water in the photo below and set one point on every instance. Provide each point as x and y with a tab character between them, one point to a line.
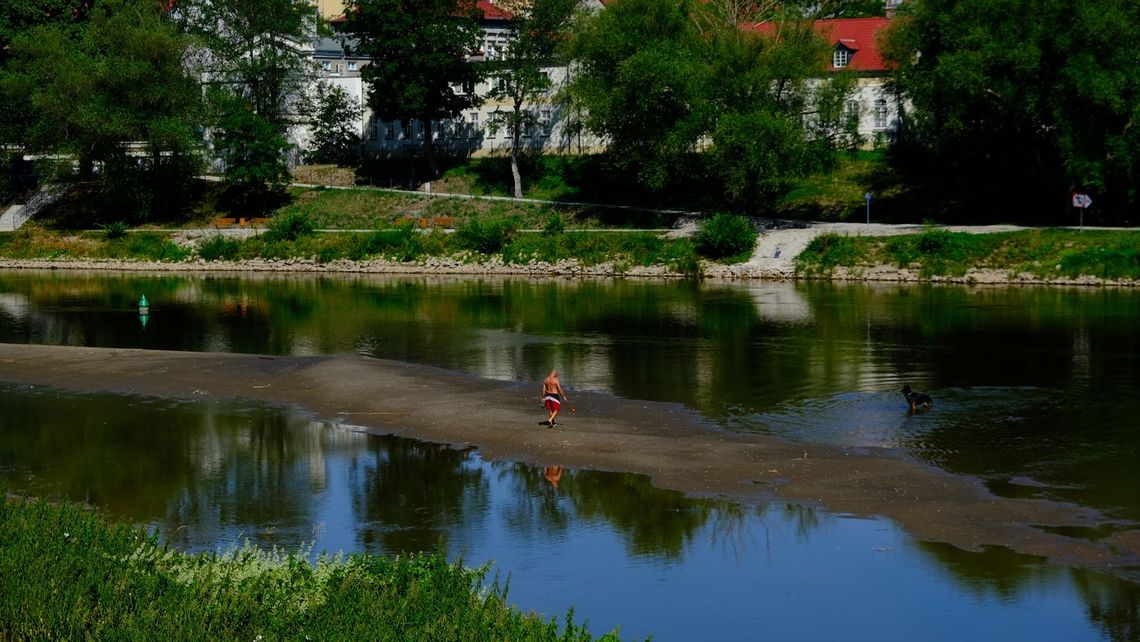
214	475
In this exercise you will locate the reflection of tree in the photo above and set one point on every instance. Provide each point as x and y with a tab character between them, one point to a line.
654	522
535	505
1111	604
410	496
206	468
993	571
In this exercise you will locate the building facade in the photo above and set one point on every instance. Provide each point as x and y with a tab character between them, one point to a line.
480	132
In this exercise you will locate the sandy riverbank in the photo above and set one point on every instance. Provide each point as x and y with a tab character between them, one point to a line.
674	446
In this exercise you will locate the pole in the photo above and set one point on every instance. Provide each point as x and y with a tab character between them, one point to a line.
868	208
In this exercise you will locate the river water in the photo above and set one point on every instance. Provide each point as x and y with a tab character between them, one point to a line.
1036	394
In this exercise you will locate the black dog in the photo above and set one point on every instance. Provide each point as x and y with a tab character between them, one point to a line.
916	399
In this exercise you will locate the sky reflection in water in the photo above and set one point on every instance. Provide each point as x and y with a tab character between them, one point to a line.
210	476
1036	392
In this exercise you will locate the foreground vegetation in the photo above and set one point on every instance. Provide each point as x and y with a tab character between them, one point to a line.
69	574
1043	253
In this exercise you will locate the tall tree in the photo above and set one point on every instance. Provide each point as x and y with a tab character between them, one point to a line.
641	82
1016	103
701	87
255	49
333	117
111	92
419	67
520	77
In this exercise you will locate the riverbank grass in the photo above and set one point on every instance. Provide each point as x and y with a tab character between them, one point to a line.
70	574
1048	253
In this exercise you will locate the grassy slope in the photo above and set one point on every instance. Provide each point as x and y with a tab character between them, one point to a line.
68	574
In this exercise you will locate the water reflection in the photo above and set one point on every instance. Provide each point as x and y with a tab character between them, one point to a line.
210	475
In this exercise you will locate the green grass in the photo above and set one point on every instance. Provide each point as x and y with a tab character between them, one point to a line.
69	574
1048	253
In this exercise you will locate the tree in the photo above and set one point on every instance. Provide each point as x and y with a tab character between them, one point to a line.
333	118
419	68
1017	103
640	81
520	78
112	93
255	49
253	150
19	16
731	90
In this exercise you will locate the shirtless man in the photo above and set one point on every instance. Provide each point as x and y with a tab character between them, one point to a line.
553	395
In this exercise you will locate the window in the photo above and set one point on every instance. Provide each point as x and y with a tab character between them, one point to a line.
880	114
390	131
840	57
468	87
851	113
544	122
407	130
326	65
352	65
473	121
374	131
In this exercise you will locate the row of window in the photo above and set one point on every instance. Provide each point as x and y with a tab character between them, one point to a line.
878	109
460	129
336	67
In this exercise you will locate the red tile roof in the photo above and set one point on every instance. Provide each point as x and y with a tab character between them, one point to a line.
493	12
860	35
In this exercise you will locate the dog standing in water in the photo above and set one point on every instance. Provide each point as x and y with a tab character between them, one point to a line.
917	400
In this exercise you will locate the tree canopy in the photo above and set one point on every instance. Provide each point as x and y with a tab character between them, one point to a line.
520	78
94	89
1016	103
692	87
418	68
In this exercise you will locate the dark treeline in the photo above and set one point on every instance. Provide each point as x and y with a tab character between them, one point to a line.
1007	107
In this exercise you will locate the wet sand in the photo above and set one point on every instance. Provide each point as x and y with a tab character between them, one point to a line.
674	446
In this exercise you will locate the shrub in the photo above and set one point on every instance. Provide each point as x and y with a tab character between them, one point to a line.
827	251
290	227
726	236
487	236
555	224
116	230
219	248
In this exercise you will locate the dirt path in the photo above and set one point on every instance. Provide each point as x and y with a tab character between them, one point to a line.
674	446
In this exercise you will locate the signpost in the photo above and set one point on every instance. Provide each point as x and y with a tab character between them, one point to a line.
868	196
1081	202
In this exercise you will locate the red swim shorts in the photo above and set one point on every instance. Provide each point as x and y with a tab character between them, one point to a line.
552	403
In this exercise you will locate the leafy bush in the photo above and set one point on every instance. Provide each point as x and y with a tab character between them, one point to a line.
290	227
112	231
827	251
726	236
219	248
487	236
555	224
122	583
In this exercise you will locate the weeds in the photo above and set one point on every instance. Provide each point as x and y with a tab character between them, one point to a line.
69	574
726	236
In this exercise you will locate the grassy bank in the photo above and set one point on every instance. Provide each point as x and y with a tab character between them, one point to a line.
475	242
68	574
1050	253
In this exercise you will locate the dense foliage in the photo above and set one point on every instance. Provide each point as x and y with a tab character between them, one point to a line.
418	68
110	92
693	88
1017	103
333	118
68	574
518	76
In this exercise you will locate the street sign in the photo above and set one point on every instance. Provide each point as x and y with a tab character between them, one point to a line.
1082	201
